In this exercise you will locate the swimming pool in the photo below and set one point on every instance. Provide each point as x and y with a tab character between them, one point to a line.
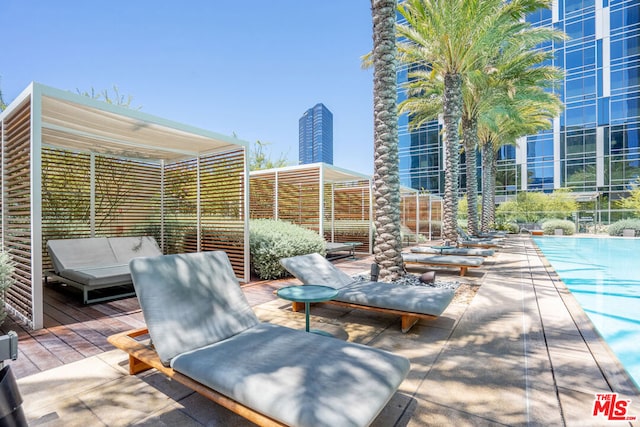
604	276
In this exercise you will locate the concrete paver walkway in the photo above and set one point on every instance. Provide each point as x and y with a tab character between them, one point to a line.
521	353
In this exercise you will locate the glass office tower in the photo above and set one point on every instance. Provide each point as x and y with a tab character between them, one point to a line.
594	146
315	136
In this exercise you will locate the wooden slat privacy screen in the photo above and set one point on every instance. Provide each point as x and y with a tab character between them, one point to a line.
262	196
16	173
222	210
428	226
299	197
348	218
222	215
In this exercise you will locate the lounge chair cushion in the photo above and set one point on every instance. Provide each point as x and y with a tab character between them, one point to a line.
462	261
314	269
203	282
413	299
453	251
298	378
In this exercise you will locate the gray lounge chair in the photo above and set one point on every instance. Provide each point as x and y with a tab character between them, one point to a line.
453	251
205	335
461	262
409	302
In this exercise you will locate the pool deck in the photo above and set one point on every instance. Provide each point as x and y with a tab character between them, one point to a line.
521	352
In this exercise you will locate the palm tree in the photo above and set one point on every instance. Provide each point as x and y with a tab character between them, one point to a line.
529	111
386	176
453	38
516	102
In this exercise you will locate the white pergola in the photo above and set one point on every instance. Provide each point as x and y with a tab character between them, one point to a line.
181	178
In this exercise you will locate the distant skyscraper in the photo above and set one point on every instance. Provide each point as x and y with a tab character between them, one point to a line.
315	136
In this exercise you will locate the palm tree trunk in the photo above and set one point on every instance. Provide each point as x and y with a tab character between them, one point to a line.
488	189
386	176
470	137
452	106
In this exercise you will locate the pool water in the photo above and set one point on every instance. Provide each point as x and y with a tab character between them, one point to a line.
604	276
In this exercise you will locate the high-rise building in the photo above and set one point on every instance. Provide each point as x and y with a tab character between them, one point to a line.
594	146
315	135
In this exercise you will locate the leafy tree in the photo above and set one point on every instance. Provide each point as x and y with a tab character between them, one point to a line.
386	175
560	204
2	103
534	206
633	200
260	159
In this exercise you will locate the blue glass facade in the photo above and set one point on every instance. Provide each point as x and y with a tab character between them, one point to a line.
595	144
315	136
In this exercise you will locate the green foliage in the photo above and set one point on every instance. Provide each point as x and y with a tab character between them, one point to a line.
616	228
2	103
7	267
259	159
271	240
631	202
560	204
115	99
529	207
568	228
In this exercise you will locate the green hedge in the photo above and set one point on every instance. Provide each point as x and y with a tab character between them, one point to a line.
7	267
271	240
616	228
568	227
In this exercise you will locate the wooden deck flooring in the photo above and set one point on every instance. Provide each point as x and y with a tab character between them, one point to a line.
73	331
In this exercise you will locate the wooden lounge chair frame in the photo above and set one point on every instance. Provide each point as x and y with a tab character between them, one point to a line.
142	357
407	319
463	268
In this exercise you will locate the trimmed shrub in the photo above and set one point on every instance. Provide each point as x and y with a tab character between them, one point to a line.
616	228
270	240
549	227
7	267
509	227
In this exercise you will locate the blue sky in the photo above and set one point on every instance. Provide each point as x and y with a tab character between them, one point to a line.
251	67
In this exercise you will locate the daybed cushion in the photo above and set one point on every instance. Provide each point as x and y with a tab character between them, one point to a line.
298	378
315	269
100	276
462	261
453	251
74	254
127	248
205	283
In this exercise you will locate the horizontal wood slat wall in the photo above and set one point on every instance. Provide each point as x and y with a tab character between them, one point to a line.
221	206
299	197
350	212
222	211
16	171
262	196
127	197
